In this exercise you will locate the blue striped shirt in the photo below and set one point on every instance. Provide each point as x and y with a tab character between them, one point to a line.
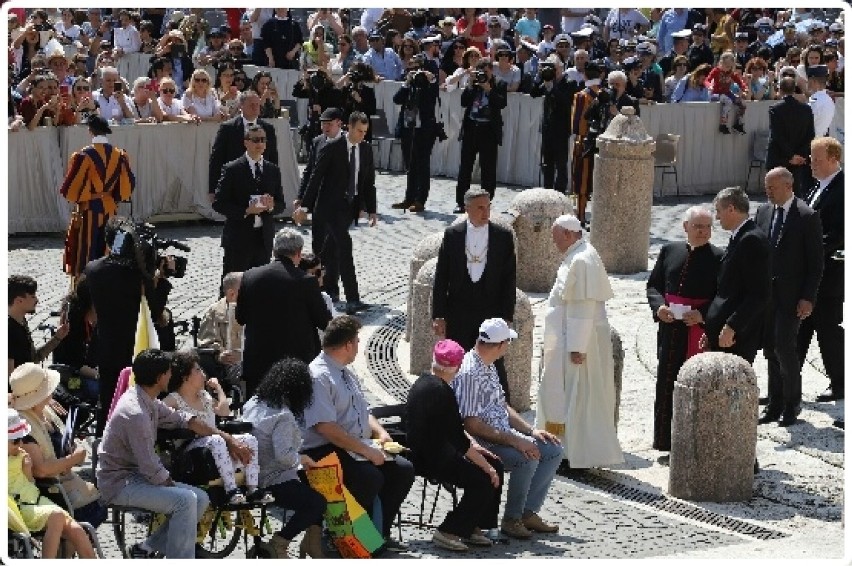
479	393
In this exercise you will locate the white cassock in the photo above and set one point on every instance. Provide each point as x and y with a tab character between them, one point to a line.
577	401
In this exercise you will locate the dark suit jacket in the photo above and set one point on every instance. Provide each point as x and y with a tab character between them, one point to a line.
313	150
281	308
497	100
236	185
791	129
742	294
499	278
830	209
326	189
797	259
229	145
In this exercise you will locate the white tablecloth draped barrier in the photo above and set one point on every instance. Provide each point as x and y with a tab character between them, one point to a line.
170	162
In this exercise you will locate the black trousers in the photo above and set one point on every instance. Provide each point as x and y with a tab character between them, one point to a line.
480	503
390	482
418	152
479	138
332	243
803	180
779	347
825	322
554	160
308	506
242	258
107	380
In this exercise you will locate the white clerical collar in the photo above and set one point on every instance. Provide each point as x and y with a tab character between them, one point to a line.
100	139
737	229
477	229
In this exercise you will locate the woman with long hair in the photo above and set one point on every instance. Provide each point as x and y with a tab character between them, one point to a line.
270	102
679	66
453	57
200	98
275	411
759	80
341	62
226	90
81	100
407	50
460	78
691	87
316	52
393	39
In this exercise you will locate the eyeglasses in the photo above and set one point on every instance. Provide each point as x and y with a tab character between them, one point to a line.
167	90
82	88
257	140
201	79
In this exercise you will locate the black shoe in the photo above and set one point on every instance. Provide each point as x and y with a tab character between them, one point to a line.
739	128
459	209
763	401
393	545
664	460
839	423
401	205
769	415
788	417
724	129
137	552
829	394
756	466
353	307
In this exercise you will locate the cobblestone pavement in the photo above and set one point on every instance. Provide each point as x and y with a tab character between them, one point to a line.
798	496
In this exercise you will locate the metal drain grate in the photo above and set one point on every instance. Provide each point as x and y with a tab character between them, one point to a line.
680	508
381	358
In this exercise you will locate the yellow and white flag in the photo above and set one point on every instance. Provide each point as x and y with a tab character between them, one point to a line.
146	334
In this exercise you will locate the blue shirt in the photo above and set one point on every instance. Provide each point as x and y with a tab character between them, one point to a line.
670	23
387	65
683	93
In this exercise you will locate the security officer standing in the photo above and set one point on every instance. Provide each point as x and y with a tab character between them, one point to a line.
481	132
699	52
558	93
417	96
680	43
820	102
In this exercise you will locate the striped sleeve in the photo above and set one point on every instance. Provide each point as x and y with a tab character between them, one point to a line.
74	183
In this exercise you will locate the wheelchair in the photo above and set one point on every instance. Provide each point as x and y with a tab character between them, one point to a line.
223	525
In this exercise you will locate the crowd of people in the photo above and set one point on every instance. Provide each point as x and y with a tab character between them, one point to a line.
778	282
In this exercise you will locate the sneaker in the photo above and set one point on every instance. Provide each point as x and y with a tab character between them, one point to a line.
137	552
724	129
394	545
536	524
448	541
514	528
477	538
235	497
260	496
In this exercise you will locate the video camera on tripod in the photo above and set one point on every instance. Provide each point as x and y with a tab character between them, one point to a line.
137	243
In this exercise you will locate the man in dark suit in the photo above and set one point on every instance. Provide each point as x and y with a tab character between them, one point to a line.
795	235
281	307
826	199
342	185
734	321
228	143
475	277
791	130
248	194
482	130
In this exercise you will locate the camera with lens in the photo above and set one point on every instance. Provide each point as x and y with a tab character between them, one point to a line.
137	244
481	77
357	76
605	96
419	79
318	81
547	71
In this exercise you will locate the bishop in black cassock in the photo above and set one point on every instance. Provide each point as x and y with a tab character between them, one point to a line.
685	274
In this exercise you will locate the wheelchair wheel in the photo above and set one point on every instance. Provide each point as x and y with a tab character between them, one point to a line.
131	526
221	539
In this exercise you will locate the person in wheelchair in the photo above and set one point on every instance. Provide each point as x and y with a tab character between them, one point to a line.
32	388
188	393
38	512
220	336
130	472
77	351
277	411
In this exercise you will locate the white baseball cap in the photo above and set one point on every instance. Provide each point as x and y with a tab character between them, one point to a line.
495	330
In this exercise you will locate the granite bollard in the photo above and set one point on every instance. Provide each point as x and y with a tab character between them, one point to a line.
518	358
426	249
714	429
422	339
534	211
623	183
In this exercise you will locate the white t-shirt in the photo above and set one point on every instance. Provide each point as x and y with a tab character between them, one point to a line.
622	23
205	107
173	109
265	14
72	33
110	108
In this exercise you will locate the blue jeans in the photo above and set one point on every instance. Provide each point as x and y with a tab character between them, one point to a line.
183	504
529	480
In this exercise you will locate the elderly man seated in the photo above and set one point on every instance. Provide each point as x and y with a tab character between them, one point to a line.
220	336
531	456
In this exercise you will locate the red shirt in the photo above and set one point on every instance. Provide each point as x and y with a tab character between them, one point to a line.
719	82
479	28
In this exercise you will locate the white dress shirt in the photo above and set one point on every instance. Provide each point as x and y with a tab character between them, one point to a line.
128	39
476	249
258	223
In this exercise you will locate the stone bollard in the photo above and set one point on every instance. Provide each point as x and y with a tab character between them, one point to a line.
714	429
423	339
425	250
518	358
618	365
534	211
623	184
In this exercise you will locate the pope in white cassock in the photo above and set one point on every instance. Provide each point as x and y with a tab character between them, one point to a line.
576	397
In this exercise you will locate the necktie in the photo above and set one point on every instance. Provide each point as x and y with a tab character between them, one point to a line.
350	191
257	171
776	225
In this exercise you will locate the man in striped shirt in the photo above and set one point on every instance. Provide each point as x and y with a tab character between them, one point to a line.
529	454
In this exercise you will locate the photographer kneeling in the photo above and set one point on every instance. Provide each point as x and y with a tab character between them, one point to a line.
116	283
558	94
419	129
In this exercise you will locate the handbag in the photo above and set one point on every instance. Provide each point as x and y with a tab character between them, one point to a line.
195	466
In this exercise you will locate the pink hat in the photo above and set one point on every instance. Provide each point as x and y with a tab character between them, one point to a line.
448	353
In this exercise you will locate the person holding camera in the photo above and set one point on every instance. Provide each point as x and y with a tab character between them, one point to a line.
110	97
417	96
249	193
481	131
357	95
146	110
98	178
318	88
558	93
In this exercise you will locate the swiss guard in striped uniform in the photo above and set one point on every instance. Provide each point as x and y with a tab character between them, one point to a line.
98	178
583	160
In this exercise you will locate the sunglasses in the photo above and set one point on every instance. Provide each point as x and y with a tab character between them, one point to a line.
18	441
200	79
82	88
167	90
257	140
